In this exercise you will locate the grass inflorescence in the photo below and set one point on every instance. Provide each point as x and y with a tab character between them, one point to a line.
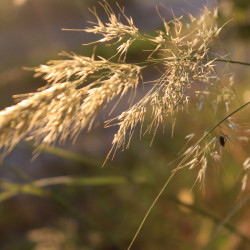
79	87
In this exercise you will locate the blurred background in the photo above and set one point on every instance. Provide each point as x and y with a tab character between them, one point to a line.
103	208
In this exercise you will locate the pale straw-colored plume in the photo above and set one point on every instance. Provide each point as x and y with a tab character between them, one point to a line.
65	106
79	87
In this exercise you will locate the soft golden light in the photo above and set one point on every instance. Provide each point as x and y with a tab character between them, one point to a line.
19	2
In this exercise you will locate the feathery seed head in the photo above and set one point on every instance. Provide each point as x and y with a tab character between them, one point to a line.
78	87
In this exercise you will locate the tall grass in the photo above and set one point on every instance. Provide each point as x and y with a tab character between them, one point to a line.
79	87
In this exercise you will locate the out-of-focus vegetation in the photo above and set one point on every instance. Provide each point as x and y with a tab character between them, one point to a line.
65	200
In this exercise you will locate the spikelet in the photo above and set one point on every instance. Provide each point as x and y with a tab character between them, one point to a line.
79	87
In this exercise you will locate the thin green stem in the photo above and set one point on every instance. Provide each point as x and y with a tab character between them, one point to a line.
37	188
205	213
150	209
178	168
156	61
62	153
230	61
202	138
225	221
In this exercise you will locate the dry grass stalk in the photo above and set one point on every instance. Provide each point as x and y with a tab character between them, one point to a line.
64	107
79	87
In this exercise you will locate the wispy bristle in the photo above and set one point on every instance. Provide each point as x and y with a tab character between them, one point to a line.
78	87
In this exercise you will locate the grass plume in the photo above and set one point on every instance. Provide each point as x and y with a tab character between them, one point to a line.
79	88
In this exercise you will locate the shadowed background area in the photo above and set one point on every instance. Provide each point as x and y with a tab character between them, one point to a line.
102	209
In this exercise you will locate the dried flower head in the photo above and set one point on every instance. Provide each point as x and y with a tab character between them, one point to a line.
78	87
183	53
66	104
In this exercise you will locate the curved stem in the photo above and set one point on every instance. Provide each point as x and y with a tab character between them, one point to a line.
224	222
156	61
215	219
203	137
150	209
178	168
231	61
